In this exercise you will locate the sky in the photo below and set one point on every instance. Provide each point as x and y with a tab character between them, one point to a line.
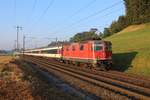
43	21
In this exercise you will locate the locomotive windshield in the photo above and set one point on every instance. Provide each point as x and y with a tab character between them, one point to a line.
98	47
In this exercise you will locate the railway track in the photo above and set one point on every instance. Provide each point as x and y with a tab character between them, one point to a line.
113	83
133	79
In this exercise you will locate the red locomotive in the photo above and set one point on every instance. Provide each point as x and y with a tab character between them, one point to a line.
95	53
92	53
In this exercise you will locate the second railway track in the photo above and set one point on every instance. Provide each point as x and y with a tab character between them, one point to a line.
132	90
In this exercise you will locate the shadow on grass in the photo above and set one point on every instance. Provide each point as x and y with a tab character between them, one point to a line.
122	61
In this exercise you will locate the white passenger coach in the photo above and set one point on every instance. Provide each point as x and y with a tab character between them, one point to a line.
53	52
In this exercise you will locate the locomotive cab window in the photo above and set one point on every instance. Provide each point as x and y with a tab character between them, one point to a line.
98	47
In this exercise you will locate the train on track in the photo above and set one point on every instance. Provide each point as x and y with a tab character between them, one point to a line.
92	53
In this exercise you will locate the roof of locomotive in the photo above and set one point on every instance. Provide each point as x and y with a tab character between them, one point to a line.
88	41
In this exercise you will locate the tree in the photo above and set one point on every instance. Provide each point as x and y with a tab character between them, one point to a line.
122	22
106	32
3	52
114	27
137	11
93	30
89	35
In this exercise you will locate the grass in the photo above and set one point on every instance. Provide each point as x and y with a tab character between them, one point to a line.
5	59
131	50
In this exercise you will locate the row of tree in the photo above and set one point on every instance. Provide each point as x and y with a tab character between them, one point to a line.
137	12
3	52
87	35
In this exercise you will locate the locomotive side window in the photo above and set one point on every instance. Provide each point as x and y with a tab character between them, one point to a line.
67	49
73	48
81	47
108	47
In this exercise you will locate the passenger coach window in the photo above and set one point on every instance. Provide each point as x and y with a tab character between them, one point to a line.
81	47
35	51
53	51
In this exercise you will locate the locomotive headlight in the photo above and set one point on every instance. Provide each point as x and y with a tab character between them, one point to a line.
98	58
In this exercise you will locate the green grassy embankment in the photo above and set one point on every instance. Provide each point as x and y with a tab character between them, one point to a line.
131	49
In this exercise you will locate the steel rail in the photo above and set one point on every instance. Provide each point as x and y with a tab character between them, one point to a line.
133	76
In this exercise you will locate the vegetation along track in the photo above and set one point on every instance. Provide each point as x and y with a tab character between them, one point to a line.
113	84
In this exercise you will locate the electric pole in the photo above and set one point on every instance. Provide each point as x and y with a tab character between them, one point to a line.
15	44
56	41
24	44
18	28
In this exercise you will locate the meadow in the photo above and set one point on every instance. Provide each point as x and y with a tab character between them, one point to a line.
131	49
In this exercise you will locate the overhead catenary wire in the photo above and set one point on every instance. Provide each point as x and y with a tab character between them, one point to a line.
44	12
32	12
33	8
34	5
103	16
34	40
78	11
92	15
96	13
82	8
15	11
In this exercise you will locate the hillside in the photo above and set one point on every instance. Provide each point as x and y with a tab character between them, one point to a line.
131	49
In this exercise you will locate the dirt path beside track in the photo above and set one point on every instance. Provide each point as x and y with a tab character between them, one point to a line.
19	82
